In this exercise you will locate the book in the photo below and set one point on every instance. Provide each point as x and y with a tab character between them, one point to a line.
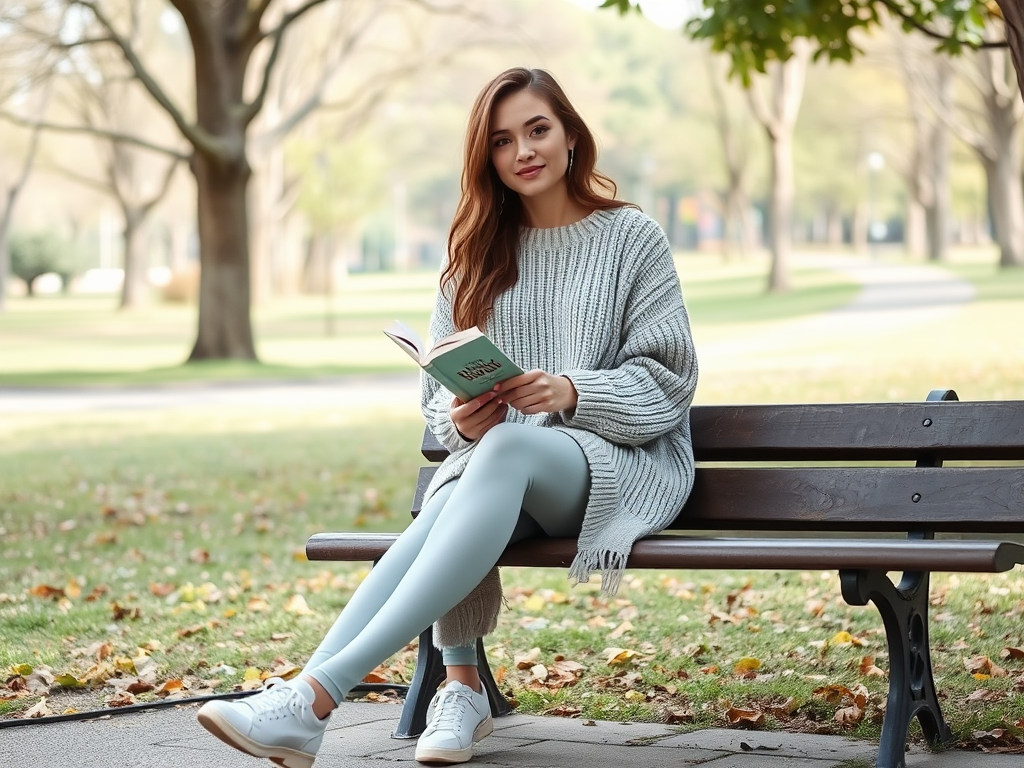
466	363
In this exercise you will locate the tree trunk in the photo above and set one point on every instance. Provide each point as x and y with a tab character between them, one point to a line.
225	324
915	237
939	212
1006	199
5	251
781	212
859	228
133	290
1013	15
833	226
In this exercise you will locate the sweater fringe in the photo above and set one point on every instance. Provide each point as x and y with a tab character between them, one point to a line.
611	564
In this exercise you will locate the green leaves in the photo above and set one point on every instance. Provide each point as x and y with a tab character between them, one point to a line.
755	32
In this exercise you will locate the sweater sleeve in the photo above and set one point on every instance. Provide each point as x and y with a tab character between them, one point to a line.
649	390
435	400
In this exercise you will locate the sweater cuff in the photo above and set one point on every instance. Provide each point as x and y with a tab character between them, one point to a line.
587	384
450	436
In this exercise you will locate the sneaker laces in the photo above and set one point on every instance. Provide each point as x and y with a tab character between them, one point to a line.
449	709
273	703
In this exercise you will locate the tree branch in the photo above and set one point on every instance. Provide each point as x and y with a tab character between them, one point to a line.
92	131
277	34
79	178
195	135
895	9
165	185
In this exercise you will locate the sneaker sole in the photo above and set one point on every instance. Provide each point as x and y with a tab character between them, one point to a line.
223	730
452	756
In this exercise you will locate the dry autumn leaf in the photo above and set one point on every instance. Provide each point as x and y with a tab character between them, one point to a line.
740	717
121	699
528	659
620	630
746	664
39	709
982	667
296	605
868	669
1012	653
618	657
46	592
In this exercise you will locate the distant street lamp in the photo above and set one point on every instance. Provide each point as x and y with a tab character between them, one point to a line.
876	230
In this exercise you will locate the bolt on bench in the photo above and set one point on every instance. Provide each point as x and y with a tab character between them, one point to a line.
884	475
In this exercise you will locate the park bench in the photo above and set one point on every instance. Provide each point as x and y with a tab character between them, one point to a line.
856	488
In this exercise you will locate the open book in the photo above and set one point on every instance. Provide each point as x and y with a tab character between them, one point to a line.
466	363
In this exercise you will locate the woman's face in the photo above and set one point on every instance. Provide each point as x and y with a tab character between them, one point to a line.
529	147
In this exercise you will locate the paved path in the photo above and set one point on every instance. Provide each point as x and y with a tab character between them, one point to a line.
892	298
359	737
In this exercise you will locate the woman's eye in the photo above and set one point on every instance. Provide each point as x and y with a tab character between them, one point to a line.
540	129
501	142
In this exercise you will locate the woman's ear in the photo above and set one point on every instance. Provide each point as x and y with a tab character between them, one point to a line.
572	141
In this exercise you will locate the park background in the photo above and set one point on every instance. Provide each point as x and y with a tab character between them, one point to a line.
153	513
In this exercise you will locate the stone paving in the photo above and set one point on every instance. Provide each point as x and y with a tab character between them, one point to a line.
360	735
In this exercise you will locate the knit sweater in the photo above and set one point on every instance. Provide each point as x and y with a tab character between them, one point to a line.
597	301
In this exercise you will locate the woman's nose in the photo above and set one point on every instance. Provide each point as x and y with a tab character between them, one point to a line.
525	152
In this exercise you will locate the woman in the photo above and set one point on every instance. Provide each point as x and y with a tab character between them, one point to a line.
593	441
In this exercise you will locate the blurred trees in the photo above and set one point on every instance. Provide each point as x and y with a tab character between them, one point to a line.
34	254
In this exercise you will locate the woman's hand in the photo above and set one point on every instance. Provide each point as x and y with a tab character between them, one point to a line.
538	392
474	418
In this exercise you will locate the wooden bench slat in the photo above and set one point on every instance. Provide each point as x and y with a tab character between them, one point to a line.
671	552
975	499
849	431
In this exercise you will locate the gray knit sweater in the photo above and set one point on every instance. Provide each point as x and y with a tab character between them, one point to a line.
598	301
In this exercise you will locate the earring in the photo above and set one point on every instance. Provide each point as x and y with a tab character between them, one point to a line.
569	171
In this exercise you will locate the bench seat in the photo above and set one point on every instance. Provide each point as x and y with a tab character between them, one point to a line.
671	551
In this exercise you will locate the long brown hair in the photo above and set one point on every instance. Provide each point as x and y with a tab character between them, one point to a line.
484	237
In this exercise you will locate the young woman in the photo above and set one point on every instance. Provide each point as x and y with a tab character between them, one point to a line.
593	441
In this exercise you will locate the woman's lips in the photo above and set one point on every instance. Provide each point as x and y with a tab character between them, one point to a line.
531	172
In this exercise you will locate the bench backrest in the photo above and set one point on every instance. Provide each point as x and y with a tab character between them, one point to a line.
855	467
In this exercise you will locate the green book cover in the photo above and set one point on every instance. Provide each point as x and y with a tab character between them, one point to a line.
466	363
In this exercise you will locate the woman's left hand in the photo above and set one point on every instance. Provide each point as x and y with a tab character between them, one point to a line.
538	392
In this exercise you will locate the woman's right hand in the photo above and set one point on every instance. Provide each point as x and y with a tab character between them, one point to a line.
474	418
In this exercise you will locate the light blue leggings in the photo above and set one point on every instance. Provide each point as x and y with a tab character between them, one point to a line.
521	481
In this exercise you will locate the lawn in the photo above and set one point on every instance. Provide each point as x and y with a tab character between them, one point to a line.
167	545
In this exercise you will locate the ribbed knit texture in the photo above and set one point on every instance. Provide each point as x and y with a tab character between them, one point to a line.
598	301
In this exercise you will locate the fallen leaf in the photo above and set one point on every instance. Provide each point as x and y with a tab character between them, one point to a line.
983	665
171	686
296	604
121	699
620	630
39	709
746	664
868	669
374	677
46	592
528	659
1012	653
849	715
618	657
563	711
785	709
739	717
68	681
161	589
539	672
279	637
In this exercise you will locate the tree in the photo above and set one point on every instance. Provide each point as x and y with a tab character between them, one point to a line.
37	254
236	45
778	116
753	32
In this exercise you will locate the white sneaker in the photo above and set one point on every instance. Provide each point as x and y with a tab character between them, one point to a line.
277	723
458	717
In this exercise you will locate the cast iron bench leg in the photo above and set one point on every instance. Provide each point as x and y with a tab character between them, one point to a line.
429	675
904	610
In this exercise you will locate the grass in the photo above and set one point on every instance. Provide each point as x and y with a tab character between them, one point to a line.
74	341
176	535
